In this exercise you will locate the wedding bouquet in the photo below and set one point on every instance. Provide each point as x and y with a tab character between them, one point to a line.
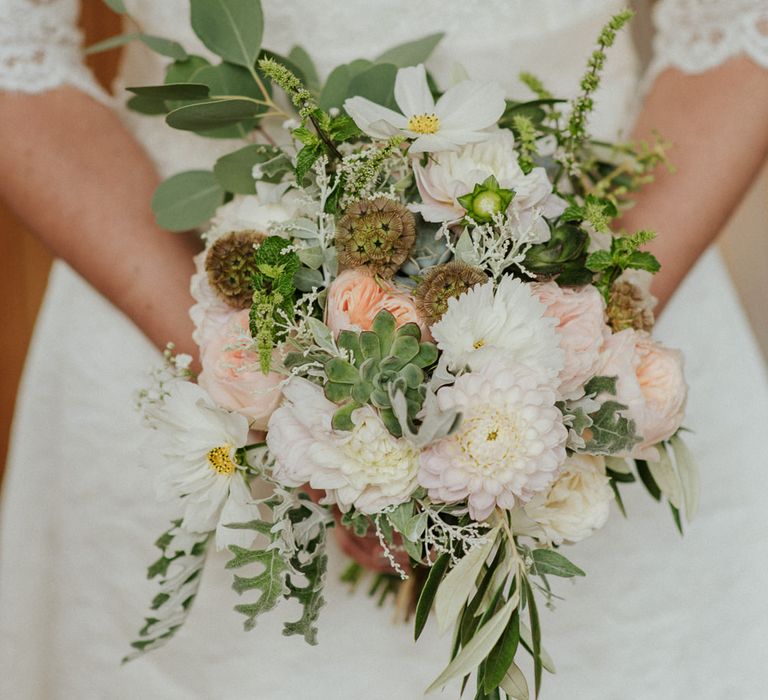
415	322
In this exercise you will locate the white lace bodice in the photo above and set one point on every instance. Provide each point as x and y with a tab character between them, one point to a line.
491	39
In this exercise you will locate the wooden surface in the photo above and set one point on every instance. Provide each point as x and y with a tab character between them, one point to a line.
25	261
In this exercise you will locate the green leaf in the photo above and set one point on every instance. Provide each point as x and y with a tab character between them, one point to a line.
663	473
341	371
377	84
689	476
172	91
270	583
342	418
116	6
502	655
234	171
112	42
611	432
343	128
411	53
232	29
165	47
599	260
302	60
514	684
204	116
645	477
305	159
477	648
310	596
305	279
424	605
187	200
336	88
185	71
600	384
533	615
460	581
146	105
548	561
642	260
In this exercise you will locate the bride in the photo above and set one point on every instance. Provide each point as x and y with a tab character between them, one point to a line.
659	619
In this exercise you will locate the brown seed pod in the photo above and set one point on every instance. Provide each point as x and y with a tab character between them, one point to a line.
230	265
377	234
443	282
629	307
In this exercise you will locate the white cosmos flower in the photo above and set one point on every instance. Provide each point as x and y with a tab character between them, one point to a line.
191	452
482	327
365	467
457	118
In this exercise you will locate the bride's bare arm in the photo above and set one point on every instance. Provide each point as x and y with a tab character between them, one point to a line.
718	122
76	176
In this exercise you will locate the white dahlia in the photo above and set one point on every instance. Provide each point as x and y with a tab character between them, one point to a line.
577	504
510	443
192	454
365	467
482	327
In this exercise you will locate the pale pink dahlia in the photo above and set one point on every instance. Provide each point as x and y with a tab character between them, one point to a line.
510	443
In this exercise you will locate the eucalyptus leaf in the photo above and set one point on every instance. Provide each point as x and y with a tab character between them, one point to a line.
234	171
187	200
460	581
172	91
478	648
146	105
299	57
203	116
514	684
232	29
663	473
229	80
185	71
688	472
411	53
165	47
377	84
337	86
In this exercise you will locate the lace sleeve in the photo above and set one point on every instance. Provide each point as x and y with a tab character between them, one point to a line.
696	35
40	47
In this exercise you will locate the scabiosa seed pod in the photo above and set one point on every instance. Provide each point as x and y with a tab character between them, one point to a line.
377	234
230	265
443	282
629	307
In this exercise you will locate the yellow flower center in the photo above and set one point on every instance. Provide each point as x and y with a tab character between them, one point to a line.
220	461
424	123
478	344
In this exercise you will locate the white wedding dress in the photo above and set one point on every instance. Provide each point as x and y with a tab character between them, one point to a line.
657	618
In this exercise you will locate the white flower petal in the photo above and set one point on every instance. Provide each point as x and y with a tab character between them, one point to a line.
428	143
412	91
470	106
375	120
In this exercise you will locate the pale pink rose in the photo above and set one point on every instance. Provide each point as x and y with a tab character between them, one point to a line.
209	314
650	382
232	376
581	329
355	297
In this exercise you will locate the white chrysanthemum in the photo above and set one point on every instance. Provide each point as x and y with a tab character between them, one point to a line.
482	326
272	203
577	504
510	443
191	451
457	118
366	467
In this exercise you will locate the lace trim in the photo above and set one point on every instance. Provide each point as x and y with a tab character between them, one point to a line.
697	35
40	48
